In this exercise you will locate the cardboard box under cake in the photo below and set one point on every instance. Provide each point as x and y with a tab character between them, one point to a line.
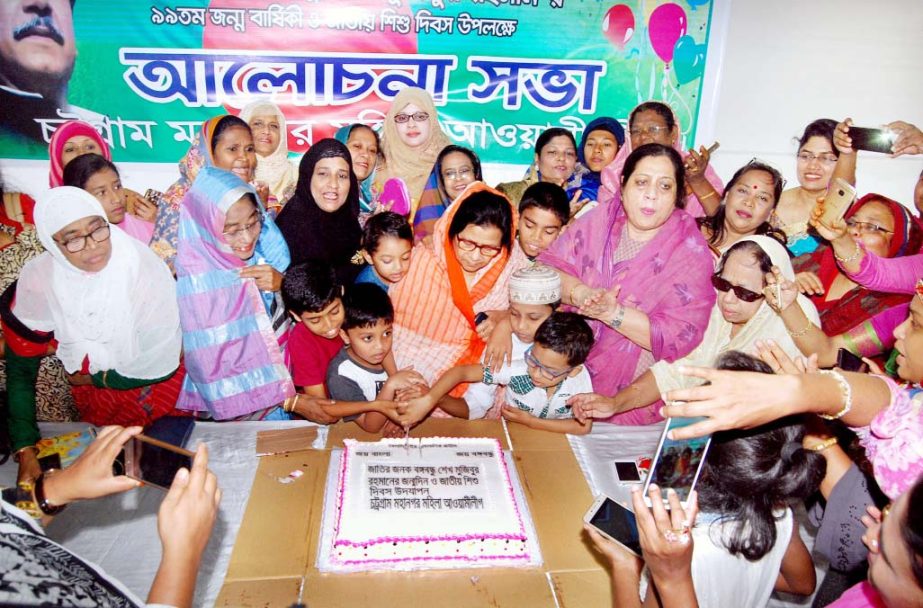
279	535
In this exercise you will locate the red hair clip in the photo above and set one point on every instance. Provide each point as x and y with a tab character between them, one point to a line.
919	288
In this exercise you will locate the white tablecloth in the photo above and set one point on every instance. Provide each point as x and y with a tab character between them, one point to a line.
119	533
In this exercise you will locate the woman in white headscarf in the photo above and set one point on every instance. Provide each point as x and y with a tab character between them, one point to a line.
109	303
739	319
270	139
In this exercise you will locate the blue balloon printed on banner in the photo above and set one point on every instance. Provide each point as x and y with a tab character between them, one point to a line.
694	3
688	59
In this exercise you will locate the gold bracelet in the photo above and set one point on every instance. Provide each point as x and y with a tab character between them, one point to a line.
105	371
847	394
800	332
289	404
709	195
18	452
851	258
823	445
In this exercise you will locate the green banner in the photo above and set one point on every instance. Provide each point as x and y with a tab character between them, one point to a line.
147	74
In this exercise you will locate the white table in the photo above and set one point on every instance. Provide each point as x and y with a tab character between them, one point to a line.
119	533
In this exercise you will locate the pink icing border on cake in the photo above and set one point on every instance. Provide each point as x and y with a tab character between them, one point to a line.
508	486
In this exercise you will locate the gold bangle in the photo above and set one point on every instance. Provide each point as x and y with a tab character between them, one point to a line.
19	452
847	394
851	258
800	332
105	371
289	404
709	195
823	445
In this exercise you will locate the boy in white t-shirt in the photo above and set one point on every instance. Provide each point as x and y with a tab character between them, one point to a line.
535	293
537	388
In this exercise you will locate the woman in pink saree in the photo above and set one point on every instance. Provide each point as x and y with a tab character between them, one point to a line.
643	275
655	122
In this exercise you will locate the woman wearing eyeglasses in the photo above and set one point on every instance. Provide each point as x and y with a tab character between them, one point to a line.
853	317
455	168
108	303
655	122
640	269
739	318
229	264
411	139
815	162
438	321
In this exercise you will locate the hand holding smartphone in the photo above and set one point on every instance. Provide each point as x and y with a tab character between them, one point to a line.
154	462
840	195
677	463
615	522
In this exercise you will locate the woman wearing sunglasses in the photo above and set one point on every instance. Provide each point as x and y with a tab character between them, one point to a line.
853	317
738	320
411	139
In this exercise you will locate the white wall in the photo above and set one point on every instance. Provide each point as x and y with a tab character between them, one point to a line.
779	65
787	62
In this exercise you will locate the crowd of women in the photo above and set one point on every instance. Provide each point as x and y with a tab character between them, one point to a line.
223	298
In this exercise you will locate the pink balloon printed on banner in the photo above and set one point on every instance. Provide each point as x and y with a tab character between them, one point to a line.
619	25
667	25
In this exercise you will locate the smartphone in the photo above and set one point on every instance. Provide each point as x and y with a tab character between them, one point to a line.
677	463
480	318
154	462
873	140
840	195
627	471
615	522
849	362
153	196
714	147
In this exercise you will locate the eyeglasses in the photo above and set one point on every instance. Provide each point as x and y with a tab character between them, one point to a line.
453	175
488	251
648	130
548	374
808	157
867	227
742	293
235	235
416	116
77	244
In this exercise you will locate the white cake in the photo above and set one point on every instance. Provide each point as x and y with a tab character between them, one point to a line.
433	502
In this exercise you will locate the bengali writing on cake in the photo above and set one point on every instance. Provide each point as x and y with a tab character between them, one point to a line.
426	487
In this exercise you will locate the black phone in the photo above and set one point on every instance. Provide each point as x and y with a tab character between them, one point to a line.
849	362
872	140
627	471
480	318
615	522
154	462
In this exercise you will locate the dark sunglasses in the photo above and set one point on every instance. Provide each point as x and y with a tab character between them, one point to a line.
742	293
